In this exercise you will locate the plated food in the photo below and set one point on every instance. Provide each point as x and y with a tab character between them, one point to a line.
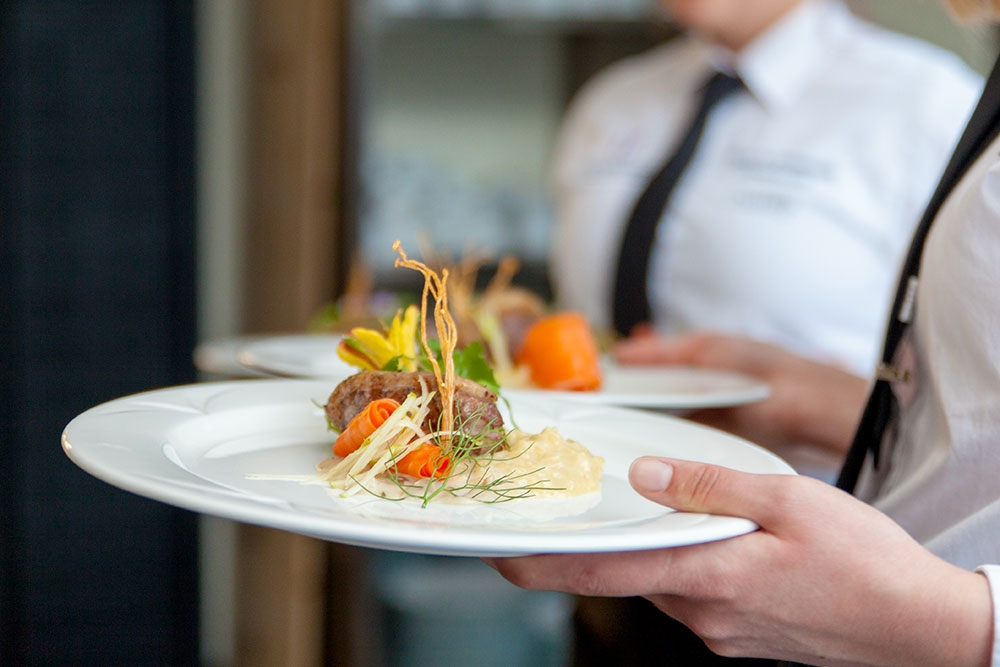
507	338
230	448
525	345
420	418
314	356
193	445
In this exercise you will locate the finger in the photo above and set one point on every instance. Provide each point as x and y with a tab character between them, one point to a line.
701	487
642	330
657	350
595	574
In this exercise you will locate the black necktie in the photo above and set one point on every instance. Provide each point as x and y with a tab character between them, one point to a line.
882	409
631	305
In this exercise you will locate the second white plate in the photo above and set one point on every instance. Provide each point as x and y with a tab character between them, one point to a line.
662	387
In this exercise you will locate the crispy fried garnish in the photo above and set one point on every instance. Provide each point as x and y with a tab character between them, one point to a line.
447	333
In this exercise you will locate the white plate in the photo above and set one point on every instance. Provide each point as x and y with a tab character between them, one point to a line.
195	447
297	356
667	387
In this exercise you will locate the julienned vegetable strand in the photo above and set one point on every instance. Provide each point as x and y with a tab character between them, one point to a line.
363	425
401	427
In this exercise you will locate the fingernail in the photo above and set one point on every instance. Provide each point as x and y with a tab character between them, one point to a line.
649	474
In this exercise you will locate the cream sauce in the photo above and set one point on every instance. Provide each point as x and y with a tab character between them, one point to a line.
548	462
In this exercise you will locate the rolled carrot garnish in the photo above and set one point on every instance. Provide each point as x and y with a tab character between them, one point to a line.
363	425
425	461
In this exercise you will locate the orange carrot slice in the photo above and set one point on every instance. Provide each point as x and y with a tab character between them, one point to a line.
424	461
561	353
363	425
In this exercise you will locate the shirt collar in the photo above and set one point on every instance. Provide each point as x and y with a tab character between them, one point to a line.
775	79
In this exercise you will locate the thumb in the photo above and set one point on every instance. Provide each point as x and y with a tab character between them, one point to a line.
691	486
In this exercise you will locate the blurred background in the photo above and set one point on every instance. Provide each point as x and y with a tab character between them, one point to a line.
174	172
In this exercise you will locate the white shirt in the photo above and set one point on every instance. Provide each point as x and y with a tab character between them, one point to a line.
942	480
790	223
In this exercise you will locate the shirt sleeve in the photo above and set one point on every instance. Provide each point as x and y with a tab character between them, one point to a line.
992	573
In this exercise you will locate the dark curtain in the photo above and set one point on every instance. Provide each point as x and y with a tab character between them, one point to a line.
96	301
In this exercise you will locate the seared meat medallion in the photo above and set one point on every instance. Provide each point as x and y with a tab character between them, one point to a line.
475	406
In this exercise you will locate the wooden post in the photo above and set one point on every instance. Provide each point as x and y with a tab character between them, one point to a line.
293	221
294	147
